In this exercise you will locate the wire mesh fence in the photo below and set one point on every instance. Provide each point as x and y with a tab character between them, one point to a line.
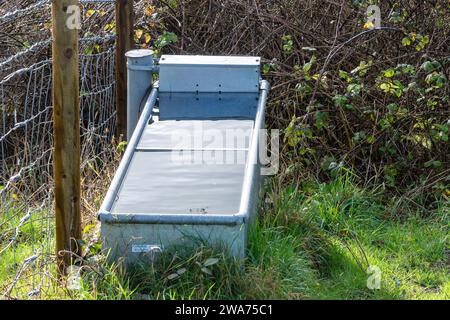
26	217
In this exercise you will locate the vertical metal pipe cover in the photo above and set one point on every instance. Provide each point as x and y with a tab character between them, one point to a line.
140	67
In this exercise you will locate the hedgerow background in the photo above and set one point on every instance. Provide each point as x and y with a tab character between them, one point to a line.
373	100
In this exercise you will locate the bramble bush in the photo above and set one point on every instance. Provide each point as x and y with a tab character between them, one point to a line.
344	94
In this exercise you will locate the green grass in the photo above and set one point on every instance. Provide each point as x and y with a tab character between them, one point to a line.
311	241
33	243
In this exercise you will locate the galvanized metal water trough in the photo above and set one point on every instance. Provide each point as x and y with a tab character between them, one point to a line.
190	172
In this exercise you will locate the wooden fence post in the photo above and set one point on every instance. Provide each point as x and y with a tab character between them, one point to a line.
66	117
124	43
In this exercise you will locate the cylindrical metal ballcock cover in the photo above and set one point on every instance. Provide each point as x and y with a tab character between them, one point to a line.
140	67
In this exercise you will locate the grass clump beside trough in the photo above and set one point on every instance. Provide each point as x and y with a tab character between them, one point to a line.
311	240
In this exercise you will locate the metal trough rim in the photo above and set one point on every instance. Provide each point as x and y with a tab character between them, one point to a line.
240	217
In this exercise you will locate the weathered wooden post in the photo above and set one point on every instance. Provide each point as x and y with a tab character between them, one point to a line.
66	117
124	43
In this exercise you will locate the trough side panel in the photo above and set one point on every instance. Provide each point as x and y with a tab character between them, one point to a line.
134	242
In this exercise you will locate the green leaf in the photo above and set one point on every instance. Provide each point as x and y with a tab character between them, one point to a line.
307	67
429	66
166	39
340	100
395	17
433	163
384	124
392	107
371	139
344	75
389	73
359	136
287	44
321	119
348	106
354	89
362	68
406	41
88	228
406	69
122	146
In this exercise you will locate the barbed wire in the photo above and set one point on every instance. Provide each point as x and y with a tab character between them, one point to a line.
33	48
19	13
46	43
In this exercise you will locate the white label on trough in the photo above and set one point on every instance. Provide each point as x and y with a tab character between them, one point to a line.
138	248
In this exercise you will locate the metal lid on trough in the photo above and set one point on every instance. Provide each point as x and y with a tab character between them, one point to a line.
209	60
213	74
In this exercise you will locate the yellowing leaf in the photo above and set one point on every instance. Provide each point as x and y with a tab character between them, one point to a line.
385	87
109	26
90	12
139	33
149	11
369	25
147	38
